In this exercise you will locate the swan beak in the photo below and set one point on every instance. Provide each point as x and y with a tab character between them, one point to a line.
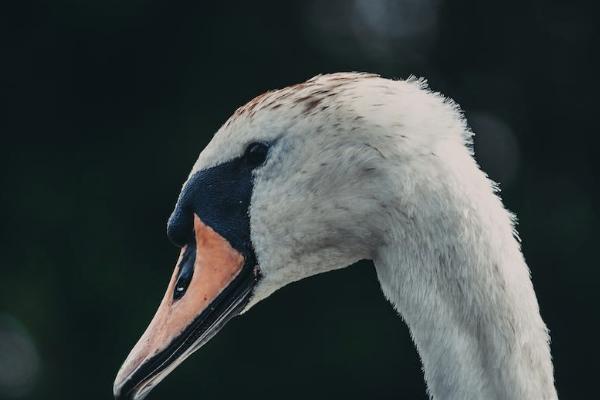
212	283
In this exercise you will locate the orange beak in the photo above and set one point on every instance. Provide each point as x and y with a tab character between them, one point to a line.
211	283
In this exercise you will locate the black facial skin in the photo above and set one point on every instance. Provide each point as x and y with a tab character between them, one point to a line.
220	196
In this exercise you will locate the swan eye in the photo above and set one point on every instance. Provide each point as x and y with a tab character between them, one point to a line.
256	153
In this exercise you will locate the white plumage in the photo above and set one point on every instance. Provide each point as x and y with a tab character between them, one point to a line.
369	168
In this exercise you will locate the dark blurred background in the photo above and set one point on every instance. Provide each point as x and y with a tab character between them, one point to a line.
108	103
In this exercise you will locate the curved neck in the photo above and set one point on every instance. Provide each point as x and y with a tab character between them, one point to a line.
459	280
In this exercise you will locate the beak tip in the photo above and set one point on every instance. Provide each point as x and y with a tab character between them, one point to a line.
118	395
118	388
117	391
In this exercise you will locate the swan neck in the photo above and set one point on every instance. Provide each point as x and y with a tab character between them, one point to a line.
459	280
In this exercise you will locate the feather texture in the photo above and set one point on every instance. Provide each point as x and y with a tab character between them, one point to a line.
366	167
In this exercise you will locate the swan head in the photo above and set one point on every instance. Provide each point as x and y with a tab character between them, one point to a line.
297	182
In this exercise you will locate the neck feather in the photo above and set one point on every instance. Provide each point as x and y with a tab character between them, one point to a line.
453	269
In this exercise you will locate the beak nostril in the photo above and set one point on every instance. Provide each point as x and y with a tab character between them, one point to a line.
186	271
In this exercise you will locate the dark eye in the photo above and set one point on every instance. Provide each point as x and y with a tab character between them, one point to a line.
256	153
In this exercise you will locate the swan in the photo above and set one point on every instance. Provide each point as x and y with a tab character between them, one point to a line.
344	167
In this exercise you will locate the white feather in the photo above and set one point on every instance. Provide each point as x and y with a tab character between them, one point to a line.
366	167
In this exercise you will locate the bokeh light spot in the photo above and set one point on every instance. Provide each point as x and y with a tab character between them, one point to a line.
19	360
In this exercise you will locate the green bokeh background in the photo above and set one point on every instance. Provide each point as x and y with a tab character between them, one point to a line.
108	104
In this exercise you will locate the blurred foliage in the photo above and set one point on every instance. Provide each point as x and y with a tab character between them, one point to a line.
108	104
